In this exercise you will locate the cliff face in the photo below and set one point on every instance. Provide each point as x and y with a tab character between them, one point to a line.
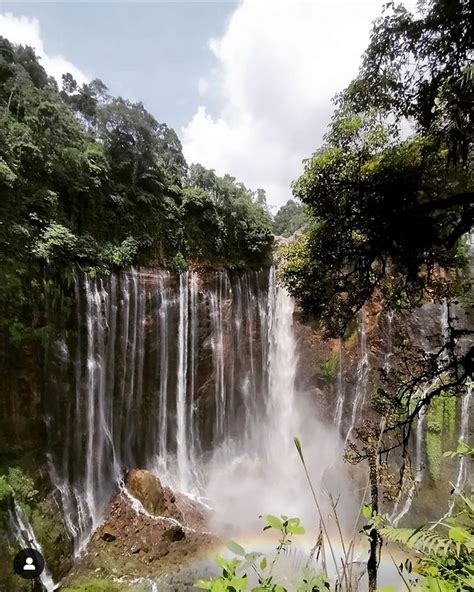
21	424
129	325
149	370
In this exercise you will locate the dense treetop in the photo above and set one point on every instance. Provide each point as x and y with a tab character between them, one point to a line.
290	218
89	179
388	209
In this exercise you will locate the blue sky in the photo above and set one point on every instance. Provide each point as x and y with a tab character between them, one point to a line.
247	85
153	52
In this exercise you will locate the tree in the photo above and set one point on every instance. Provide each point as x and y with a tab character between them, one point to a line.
89	179
389	213
290	218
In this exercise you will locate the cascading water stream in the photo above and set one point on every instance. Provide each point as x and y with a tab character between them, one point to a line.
24	536
463	436
363	369
419	463
340	390
418	466
185	378
282	364
462	473
181	404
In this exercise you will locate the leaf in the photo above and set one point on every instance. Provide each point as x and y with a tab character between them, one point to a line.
458	534
274	522
298	447
294	527
236	548
221	562
238	583
204	584
263	564
367	511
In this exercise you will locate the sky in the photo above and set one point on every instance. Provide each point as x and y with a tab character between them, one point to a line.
247	85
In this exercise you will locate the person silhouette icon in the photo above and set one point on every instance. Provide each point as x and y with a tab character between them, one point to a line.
29	564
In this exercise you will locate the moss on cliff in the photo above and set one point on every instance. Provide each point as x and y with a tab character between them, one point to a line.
440	431
329	368
96	585
43	516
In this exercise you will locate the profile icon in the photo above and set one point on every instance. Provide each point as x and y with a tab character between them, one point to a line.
28	564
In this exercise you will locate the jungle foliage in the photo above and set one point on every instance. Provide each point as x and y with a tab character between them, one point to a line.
290	218
390	193
92	180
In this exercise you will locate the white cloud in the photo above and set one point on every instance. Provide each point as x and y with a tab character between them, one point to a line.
26	31
279	64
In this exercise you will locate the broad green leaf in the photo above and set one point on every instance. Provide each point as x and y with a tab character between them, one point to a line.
458	534
221	562
367	511
236	548
274	522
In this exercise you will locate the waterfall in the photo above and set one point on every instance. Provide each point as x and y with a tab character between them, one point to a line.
419	446
418	463
362	375
181	411
193	369
192	378
340	390
282	364
463	436
162	365
389	349
397	515
24	536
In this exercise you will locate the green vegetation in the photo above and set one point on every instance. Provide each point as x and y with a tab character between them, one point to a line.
329	368
387	210
43	516
95	585
441	557
20	485
390	200
91	180
440	424
445	554
290	218
261	565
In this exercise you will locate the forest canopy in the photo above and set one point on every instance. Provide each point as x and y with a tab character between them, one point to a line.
96	181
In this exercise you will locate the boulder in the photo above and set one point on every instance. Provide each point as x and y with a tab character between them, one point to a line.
147	489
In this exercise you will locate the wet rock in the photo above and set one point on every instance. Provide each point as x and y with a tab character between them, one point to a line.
174	533
147	488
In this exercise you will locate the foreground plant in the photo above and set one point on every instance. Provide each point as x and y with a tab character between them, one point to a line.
445	550
234	576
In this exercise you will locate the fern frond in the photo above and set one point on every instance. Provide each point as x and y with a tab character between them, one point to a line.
421	540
